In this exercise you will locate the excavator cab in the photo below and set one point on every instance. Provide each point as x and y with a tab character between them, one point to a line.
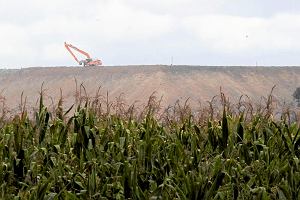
85	62
88	61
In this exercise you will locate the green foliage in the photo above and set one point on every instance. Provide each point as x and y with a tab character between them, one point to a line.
296	93
90	156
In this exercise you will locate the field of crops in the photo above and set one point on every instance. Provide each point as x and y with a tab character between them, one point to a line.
93	153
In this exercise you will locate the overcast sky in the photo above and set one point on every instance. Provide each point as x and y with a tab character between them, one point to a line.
122	32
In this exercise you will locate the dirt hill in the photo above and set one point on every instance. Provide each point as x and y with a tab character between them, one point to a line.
139	82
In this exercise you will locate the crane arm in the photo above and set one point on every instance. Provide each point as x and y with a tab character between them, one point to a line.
68	46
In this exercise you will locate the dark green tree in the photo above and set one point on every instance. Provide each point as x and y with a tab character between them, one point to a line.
296	96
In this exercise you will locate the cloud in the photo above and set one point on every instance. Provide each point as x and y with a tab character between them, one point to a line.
117	20
53	52
179	8
106	23
32	32
234	34
15	45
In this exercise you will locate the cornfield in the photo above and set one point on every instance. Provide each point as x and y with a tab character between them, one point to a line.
94	155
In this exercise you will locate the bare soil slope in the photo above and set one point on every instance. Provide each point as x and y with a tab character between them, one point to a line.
139	82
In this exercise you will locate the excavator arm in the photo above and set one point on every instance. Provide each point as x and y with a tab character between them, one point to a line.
68	48
88	61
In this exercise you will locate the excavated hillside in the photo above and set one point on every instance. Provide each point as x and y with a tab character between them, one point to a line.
137	83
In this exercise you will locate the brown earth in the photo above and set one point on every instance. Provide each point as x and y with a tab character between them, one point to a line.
139	82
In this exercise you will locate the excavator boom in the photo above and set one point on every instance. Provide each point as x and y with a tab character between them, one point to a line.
88	61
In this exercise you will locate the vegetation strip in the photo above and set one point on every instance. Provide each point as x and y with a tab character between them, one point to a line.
95	156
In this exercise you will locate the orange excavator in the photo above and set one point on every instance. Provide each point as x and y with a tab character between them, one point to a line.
88	61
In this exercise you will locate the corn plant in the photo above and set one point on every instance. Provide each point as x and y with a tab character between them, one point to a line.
91	155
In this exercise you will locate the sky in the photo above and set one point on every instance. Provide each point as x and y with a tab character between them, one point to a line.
133	32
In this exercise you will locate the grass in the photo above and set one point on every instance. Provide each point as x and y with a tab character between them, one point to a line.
98	151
